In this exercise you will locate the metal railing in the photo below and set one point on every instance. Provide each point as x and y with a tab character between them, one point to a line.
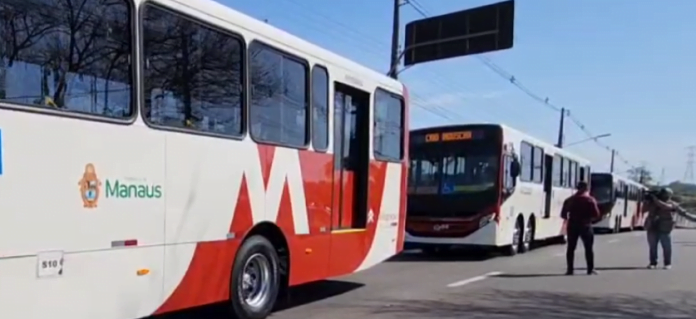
684	223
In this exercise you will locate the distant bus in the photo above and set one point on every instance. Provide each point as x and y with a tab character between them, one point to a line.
166	154
486	185
620	202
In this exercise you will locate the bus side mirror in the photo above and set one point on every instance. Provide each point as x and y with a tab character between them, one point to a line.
515	168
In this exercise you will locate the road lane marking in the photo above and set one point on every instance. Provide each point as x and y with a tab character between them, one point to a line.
474	279
559	254
611	241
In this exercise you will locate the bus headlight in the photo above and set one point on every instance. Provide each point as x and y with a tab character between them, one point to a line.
485	220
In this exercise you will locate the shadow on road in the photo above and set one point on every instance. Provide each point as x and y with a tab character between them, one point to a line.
498	304
313	292
614	268
578	271
685	243
454	255
449	256
529	275
298	296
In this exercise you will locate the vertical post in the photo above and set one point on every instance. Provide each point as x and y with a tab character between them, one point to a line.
611	165
561	129
394	65
662	176
641	177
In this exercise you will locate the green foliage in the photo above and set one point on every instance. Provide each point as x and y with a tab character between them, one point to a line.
641	175
685	194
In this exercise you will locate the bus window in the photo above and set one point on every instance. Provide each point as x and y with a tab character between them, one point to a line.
526	158
557	180
320	108
388	123
565	168
538	165
278	111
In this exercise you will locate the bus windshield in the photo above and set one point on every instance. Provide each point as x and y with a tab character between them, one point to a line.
456	170
468	173
602	187
425	175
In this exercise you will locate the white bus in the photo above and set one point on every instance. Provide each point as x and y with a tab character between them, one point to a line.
165	154
620	202
486	185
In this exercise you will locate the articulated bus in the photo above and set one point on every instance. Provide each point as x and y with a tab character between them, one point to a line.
620	202
181	154
486	185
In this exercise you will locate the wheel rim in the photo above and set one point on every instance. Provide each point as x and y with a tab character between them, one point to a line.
256	281
529	235
516	237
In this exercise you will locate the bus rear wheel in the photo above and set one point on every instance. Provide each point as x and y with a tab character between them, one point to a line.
255	281
528	236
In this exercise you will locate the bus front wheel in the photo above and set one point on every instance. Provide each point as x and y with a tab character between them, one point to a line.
255	281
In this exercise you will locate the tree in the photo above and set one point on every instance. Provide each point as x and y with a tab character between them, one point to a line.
641	175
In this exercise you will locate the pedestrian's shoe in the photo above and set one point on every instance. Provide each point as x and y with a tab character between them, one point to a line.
668	267
652	266
569	273
592	272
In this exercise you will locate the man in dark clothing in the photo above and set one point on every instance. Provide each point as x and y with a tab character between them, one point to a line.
579	211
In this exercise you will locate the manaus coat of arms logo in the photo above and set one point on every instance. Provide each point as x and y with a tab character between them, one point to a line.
90	187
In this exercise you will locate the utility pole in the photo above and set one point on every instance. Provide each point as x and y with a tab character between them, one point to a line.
689	172
642	174
394	65
611	165
561	128
662	176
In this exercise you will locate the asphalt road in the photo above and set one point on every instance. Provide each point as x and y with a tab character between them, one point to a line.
525	286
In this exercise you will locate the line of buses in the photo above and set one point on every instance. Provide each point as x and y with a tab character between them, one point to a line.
490	186
248	159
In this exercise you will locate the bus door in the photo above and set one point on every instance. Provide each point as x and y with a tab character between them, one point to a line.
548	189
351	158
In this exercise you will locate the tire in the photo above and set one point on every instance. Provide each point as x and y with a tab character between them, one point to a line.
528	237
517	238
255	281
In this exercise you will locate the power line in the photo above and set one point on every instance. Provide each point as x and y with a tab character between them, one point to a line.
543	100
368	43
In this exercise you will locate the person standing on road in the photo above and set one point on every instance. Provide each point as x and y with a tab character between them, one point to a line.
659	225
579	210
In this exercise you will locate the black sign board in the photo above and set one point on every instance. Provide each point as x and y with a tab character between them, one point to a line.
473	31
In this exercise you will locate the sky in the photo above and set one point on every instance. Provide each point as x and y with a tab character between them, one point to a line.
622	67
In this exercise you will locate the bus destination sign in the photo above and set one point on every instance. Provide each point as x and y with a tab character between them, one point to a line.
448	136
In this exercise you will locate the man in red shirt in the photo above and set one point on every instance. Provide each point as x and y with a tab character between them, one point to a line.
579	211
